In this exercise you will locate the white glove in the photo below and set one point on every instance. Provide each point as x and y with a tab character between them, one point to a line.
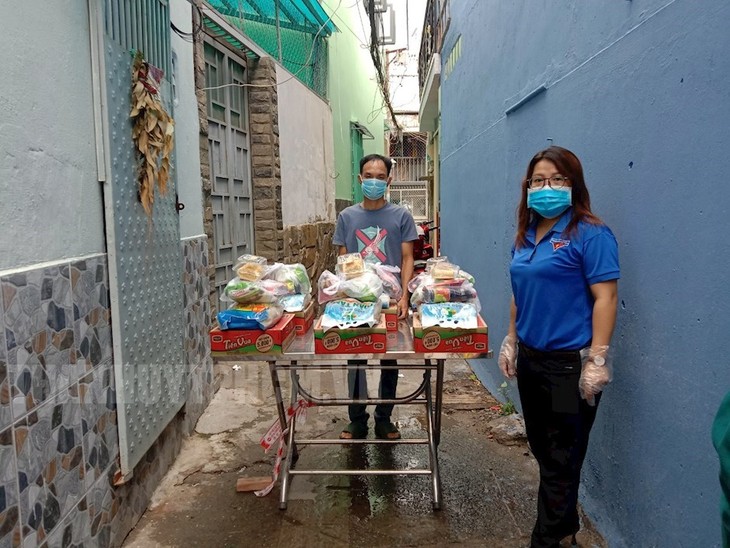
596	372
508	356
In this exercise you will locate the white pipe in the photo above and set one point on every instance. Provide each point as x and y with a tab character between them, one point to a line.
96	40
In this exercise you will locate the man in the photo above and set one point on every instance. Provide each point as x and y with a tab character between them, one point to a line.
381	232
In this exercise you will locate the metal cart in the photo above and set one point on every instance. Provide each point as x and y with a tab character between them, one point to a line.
300	356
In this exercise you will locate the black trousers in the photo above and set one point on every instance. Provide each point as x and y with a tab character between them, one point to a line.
558	422
358	389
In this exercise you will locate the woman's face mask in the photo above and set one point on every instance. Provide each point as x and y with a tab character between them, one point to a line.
549	202
374	189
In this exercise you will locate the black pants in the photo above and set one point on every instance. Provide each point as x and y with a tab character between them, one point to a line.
358	389
558	422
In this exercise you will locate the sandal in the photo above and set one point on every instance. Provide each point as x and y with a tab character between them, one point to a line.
355	431
386	430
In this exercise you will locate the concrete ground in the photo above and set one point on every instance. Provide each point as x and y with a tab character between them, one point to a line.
488	488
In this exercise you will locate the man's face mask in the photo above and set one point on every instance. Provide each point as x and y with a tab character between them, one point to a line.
374	189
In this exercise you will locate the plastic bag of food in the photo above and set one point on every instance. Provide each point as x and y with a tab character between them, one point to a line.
463	315
390	276
329	288
458	290
251	268
366	287
422	279
250	316
350	313
468	277
295	276
350	265
296	302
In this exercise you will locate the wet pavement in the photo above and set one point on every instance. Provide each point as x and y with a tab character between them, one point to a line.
488	488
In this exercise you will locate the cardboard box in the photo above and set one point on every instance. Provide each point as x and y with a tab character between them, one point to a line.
304	319
353	340
274	340
391	318
450	339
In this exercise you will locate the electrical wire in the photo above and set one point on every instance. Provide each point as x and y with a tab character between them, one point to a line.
294	75
189	36
377	61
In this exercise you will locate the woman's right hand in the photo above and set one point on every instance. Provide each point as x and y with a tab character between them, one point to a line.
508	356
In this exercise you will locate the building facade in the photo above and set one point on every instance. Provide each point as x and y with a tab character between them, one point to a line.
637	89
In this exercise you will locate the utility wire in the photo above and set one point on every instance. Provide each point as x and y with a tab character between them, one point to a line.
375	54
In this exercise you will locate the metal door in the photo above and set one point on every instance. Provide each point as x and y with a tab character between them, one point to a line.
228	153
145	256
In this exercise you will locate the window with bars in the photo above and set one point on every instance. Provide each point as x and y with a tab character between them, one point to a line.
142	25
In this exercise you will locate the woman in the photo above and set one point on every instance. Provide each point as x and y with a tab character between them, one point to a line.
564	274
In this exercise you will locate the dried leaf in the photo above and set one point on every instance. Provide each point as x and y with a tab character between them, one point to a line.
151	121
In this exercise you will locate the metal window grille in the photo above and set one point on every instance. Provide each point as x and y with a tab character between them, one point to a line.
143	25
413	197
408	153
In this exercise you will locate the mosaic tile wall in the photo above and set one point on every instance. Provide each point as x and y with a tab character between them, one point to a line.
58	426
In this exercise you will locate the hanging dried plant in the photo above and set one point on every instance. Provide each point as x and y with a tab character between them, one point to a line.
152	132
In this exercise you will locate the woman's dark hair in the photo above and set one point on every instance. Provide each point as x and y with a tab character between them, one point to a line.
568	166
371	157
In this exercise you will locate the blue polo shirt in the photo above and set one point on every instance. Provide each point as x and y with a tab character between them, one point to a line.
551	282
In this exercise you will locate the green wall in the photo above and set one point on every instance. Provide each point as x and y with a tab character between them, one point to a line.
353	91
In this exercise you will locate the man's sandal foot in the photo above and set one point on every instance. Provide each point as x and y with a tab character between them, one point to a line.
355	431
386	430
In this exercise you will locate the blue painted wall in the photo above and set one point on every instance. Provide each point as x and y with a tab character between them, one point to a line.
640	90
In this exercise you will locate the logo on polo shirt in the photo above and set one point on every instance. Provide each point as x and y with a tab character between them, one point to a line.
558	243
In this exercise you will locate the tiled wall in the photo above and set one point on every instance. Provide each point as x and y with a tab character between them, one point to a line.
58	426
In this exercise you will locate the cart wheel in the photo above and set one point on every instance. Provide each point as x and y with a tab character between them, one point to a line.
282	506
436	506
295	456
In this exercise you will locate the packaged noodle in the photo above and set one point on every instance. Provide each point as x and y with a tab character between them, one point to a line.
350	313
250	316
264	291
462	315
296	302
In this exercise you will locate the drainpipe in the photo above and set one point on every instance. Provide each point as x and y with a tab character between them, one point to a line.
98	88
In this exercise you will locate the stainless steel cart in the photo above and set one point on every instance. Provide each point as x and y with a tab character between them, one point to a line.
300	356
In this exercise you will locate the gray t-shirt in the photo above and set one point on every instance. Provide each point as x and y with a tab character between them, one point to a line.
375	234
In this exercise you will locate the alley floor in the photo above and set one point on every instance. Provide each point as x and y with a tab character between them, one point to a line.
488	488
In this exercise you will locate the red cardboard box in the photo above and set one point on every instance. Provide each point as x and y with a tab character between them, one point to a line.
450	339
274	340
391	318
304	319
353	340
